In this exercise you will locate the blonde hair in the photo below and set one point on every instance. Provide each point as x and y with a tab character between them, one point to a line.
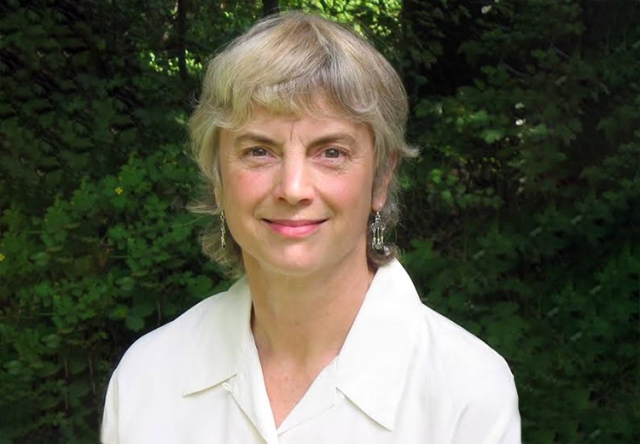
287	64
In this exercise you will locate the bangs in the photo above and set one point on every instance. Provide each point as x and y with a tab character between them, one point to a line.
292	73
293	101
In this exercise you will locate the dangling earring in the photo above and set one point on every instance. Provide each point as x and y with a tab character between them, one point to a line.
377	229
223	231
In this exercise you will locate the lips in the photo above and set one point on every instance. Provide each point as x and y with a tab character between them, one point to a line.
294	228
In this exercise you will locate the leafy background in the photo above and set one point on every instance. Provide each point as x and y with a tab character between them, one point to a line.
521	217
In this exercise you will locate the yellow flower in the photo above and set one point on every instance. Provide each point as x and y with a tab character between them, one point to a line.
119	190
1	257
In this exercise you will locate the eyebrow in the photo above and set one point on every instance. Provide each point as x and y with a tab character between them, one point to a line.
254	137
341	137
336	137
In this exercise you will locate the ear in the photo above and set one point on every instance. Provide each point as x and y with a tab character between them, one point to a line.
382	190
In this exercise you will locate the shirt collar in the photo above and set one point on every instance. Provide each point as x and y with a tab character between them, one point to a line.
373	364
218	339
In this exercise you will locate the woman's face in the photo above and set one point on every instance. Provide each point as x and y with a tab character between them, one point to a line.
297	192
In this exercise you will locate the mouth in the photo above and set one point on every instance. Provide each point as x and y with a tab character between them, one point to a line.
294	228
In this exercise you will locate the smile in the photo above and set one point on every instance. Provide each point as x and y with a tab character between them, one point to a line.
294	228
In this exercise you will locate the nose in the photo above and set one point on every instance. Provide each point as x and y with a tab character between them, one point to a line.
295	184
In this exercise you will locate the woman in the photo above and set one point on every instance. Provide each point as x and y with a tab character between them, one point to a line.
298	132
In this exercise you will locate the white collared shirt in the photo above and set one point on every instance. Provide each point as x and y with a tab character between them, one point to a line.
405	374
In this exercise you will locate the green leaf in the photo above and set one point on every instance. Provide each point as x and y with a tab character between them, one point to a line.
134	323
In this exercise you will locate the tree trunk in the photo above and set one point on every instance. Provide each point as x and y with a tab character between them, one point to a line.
181	41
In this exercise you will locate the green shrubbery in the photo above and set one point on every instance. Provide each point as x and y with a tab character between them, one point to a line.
531	184
521	222
115	259
96	245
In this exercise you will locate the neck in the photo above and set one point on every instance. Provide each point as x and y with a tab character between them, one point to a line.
305	319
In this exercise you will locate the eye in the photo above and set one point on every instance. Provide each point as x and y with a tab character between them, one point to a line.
257	152
333	153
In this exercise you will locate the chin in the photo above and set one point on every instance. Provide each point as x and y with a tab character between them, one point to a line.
287	265
300	260
293	268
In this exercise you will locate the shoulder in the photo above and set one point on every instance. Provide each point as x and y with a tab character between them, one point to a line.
167	346
197	350
462	374
445	343
441	350
473	379
174	333
163	349
452	376
462	356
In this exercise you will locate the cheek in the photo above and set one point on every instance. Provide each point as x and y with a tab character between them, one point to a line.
352	193
240	187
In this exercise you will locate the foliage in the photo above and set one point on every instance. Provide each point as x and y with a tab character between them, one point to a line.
96	245
523	223
530	174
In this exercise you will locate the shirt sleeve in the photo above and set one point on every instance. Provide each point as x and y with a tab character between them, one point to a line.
492	416
109	431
